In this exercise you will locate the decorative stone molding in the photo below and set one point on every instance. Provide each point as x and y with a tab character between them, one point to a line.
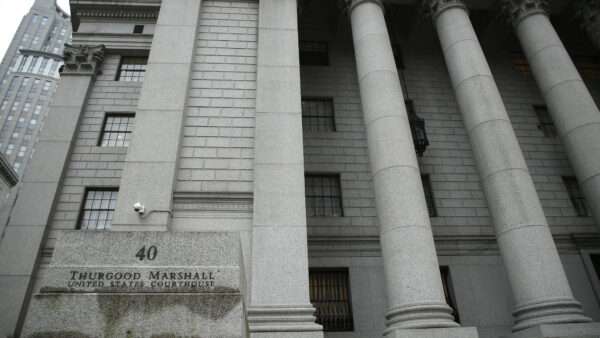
434	8
588	14
137	13
517	10
84	60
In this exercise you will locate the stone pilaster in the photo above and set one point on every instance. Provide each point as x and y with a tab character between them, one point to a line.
570	103
279	291
413	284
25	233
540	287
588	14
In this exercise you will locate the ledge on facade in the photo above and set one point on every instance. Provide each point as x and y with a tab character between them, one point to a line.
114	41
41	53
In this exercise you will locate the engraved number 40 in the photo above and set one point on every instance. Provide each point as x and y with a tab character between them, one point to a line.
149	254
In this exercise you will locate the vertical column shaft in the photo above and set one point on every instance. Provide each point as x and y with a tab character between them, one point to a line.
151	162
279	299
570	103
540	286
414	288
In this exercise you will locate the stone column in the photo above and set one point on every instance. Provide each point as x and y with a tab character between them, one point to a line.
588	12
413	284
151	163
571	105
540	287
24	235
279	296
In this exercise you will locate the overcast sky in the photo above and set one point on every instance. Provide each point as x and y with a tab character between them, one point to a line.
11	13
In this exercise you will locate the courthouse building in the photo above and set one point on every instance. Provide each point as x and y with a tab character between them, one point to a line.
396	168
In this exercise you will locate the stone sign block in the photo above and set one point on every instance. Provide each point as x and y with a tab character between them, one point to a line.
140	284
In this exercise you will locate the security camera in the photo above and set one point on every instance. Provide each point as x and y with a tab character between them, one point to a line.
139	208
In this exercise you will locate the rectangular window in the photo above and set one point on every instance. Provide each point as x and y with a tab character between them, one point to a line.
330	295
520	63
314	53
98	208
323	196
429	195
448	292
576	196
132	68
138	29
116	131
318	115
546	124
596	263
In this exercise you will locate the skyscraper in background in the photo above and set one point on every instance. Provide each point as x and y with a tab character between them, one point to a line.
28	78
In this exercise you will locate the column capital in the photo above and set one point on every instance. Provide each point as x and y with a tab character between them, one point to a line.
83	59
517	10
434	8
351	4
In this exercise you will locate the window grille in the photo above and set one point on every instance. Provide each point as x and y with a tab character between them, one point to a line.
448	292
314	53
318	115
417	128
577	198
330	295
323	196
98	208
546	124
132	68
117	130
429	195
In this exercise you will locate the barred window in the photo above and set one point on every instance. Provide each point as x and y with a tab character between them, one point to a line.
117	130
98	208
546	124
318	114
323	196
314	53
576	196
429	198
448	292
132	68
330	295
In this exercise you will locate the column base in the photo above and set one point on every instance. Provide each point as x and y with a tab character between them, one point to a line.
584	330
283	321
450	332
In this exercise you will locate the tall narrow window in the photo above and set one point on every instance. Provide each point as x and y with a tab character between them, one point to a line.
576	196
117	130
318	115
132	68
448	292
323	195
314	53
429	195
546	125
98	208
330	295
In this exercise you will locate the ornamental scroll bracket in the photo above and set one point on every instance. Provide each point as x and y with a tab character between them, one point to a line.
83	60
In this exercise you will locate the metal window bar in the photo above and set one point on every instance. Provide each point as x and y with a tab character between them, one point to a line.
577	198
546	124
98	209
132	69
323	196
330	295
429	195
318	115
117	130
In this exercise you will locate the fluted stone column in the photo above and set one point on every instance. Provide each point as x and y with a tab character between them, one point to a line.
570	103
279	291
588	12
413	284
540	287
25	233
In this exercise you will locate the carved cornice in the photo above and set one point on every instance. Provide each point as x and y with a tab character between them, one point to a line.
588	14
84	60
517	10
434	8
118	12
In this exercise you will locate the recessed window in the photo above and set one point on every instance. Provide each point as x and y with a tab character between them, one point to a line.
98	209
323	196
330	295
138	29
117	130
577	198
448	291
314	53
429	198
318	115
595	258
520	63
546	124
132	68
